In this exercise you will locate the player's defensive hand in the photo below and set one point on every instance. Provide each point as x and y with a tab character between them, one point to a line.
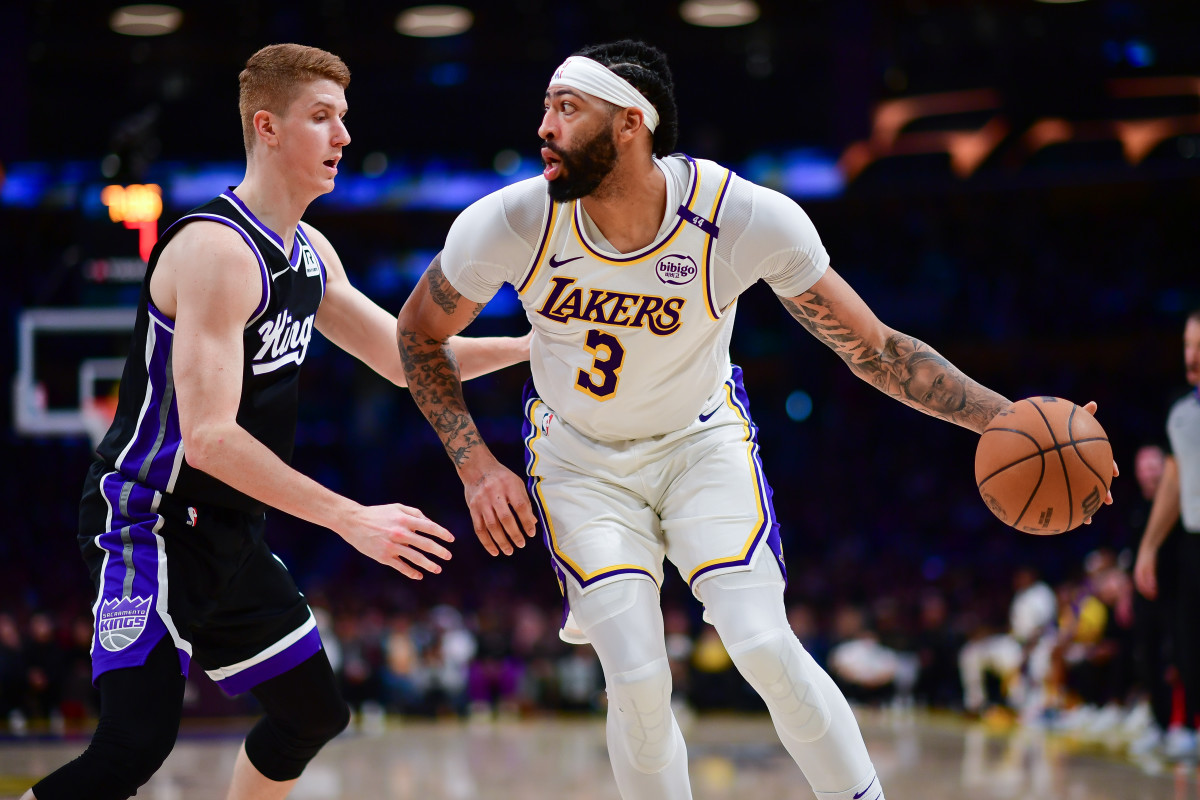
1091	409
500	509
1145	576
398	536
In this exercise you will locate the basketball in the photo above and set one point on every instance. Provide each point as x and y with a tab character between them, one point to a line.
1043	465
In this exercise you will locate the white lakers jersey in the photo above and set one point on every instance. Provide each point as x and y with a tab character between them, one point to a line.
630	345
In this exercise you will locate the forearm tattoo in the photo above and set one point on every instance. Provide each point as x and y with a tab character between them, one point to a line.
904	367
433	377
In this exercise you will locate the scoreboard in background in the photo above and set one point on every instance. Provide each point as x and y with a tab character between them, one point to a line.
138	206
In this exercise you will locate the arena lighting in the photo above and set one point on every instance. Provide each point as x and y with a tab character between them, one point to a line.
719	13
434	21
145	20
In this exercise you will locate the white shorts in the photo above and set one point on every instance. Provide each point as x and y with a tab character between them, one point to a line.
612	510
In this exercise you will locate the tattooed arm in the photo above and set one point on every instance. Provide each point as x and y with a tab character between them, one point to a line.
894	363
435	311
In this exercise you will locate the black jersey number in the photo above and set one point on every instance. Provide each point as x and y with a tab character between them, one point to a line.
601	380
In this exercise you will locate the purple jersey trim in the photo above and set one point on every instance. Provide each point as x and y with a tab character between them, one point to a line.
264	272
292	257
709	296
693	184
294	655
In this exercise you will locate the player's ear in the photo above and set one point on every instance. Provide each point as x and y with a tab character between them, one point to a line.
629	122
264	127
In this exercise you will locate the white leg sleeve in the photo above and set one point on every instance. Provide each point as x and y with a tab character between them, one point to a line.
623	622
811	716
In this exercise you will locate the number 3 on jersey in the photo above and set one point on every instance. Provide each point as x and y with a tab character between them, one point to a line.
601	380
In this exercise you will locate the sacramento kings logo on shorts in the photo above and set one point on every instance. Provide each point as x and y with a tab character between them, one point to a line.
122	622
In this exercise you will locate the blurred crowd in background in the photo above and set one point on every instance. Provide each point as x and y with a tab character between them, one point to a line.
1068	273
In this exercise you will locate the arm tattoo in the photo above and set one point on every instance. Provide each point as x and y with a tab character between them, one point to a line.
440	289
903	367
433	377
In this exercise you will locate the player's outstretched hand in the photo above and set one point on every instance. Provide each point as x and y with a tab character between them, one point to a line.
500	509
1145	576
398	536
1091	409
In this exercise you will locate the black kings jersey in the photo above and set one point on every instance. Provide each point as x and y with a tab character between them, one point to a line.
144	443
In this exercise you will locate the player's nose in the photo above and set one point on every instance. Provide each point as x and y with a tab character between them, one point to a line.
546	129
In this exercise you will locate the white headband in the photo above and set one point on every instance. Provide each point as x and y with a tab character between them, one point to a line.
596	79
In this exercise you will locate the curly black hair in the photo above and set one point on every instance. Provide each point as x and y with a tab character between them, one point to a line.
645	67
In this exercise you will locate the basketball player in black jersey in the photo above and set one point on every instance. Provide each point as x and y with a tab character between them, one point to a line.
171	520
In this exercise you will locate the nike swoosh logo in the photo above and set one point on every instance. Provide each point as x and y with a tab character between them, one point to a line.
706	418
275	275
555	263
869	785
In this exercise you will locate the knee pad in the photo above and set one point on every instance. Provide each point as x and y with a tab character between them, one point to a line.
782	672
641	701
304	709
281	747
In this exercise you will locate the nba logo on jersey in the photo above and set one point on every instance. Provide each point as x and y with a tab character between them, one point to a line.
546	420
191	517
122	622
310	264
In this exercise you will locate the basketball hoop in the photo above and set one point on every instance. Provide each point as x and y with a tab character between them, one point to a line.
97	414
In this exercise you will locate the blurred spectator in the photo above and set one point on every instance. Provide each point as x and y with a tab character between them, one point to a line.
80	699
12	675
536	646
1018	658
45	665
402	661
866	670
580	681
677	631
446	661
714	681
1096	646
494	674
803	620
937	646
361	638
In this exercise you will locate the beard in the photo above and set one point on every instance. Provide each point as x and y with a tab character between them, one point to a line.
585	168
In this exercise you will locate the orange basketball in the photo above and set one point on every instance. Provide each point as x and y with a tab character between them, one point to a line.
1043	465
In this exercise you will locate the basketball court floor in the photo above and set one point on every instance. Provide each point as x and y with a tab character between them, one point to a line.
918	758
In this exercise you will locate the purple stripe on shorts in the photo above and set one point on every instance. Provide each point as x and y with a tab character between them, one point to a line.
127	624
294	655
770	524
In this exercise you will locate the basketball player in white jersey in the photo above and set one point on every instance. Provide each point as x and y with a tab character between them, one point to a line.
172	516
640	444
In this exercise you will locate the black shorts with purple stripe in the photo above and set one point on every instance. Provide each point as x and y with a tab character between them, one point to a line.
200	574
